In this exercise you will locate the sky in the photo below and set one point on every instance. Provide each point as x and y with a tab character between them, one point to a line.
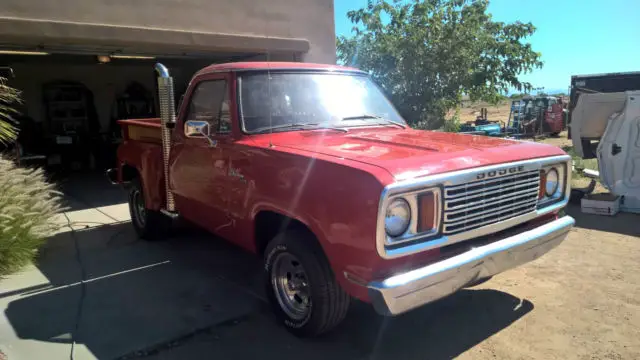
574	36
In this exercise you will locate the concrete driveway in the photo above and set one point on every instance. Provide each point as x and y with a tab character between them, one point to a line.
99	292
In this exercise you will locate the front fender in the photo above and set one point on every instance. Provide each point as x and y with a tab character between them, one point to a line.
338	203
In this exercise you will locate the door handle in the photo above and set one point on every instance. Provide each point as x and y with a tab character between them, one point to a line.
616	149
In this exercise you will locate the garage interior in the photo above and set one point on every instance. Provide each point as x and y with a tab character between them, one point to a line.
71	102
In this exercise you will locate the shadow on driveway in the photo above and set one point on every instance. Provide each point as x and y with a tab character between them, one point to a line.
621	223
442	330
179	299
89	190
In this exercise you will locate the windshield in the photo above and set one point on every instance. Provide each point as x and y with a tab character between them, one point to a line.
297	100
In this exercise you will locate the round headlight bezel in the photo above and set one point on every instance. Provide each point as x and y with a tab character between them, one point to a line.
550	192
392	225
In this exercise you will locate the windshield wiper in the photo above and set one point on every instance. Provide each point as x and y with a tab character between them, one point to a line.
368	116
300	125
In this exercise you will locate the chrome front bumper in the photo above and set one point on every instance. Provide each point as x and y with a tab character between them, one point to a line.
403	292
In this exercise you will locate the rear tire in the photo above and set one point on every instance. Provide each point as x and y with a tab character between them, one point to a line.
149	224
301	286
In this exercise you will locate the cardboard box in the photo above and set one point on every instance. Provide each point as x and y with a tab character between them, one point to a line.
601	204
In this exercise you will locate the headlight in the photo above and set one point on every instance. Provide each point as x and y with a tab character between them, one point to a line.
397	217
552	181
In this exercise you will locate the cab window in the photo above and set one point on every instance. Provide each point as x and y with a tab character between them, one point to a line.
210	103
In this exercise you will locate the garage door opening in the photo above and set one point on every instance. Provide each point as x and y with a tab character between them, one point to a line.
70	107
71	103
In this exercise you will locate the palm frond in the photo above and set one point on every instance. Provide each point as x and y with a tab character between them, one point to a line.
9	98
8	132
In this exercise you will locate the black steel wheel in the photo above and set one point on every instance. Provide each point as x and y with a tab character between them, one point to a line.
149	224
301	286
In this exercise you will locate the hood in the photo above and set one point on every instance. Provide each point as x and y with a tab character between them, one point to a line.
408	153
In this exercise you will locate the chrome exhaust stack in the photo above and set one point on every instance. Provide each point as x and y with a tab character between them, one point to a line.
167	122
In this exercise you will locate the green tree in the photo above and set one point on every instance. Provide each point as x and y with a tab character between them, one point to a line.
9	97
427	53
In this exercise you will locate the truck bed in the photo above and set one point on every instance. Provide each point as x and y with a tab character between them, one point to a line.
144	130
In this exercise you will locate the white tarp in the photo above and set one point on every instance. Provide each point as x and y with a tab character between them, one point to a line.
619	148
590	117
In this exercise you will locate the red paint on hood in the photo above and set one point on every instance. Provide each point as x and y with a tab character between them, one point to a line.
407	153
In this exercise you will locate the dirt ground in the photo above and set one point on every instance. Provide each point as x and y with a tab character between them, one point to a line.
499	112
586	293
585	296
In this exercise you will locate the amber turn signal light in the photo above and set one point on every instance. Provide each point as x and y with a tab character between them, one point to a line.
543	182
427	212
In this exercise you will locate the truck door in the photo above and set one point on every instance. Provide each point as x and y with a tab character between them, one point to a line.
199	163
619	150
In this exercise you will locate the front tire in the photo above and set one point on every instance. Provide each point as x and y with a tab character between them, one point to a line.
301	286
149	224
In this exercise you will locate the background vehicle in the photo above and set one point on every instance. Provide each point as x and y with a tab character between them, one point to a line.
541	115
311	167
482	126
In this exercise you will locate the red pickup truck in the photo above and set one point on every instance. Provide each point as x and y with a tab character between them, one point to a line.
312	168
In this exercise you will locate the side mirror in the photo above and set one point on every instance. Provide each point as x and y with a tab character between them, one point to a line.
195	128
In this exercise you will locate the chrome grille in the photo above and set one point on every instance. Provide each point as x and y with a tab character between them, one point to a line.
484	202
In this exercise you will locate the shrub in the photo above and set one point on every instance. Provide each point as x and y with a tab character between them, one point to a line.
27	206
579	163
452	124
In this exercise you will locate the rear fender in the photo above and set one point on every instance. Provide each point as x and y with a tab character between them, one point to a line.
146	159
